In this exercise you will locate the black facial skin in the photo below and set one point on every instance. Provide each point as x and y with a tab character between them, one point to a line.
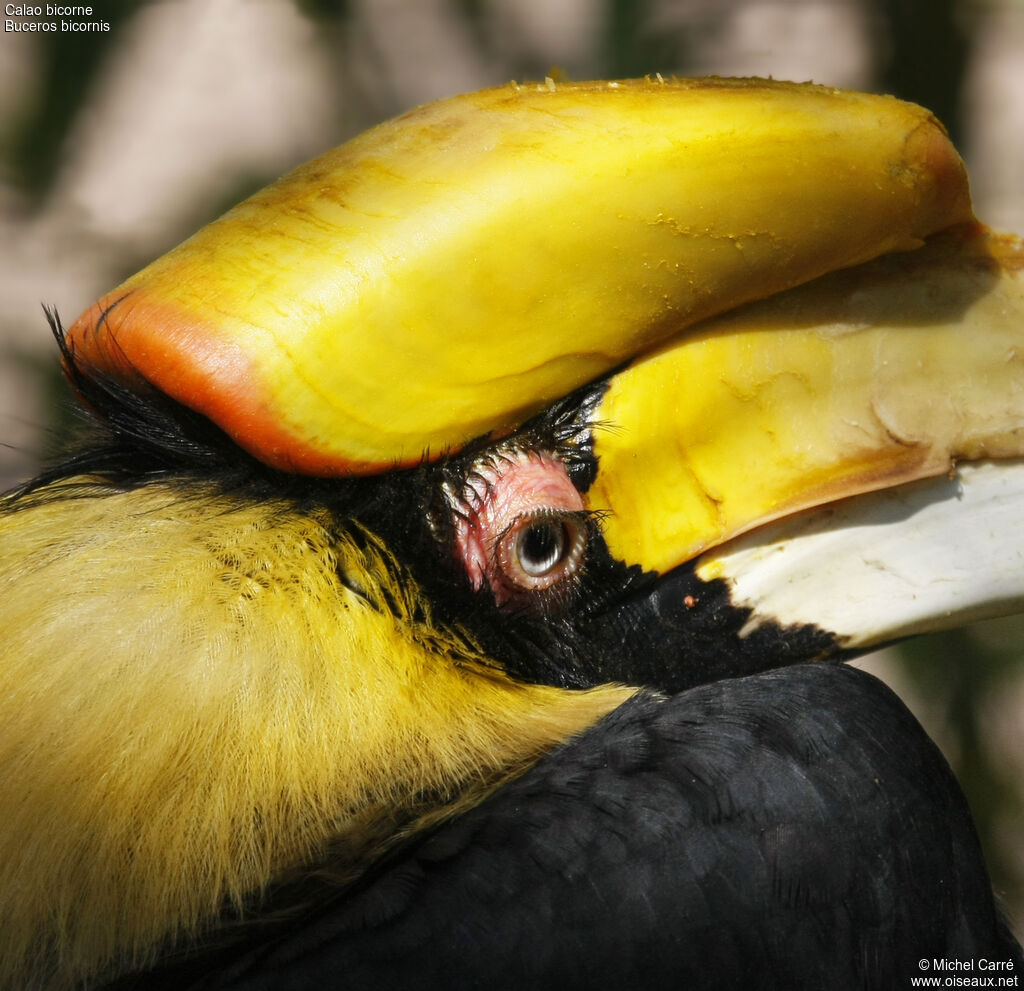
610	623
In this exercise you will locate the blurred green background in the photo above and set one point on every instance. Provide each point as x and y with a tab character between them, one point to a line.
116	143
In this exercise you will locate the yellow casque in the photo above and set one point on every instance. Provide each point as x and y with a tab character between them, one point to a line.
453	271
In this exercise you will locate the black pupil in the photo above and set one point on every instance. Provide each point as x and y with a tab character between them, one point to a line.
541	546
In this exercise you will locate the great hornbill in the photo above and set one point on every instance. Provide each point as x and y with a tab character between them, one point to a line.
433	601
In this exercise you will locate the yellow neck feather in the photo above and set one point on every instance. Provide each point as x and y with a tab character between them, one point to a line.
192	704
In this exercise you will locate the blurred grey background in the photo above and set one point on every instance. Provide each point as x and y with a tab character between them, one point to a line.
117	143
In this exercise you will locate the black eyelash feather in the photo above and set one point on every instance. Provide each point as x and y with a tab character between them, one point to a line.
134	434
571	423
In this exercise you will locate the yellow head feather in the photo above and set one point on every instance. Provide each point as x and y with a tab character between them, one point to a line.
204	707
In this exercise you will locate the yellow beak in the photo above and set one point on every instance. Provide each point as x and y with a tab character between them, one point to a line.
755	248
890	372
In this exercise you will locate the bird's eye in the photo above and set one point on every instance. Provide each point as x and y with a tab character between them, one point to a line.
541	548
520	525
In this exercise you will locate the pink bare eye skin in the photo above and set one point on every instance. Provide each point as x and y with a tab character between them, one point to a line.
497	495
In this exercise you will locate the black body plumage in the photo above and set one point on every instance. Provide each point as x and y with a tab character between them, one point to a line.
789	830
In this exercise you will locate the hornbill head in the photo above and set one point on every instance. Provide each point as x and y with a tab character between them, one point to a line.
424	460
